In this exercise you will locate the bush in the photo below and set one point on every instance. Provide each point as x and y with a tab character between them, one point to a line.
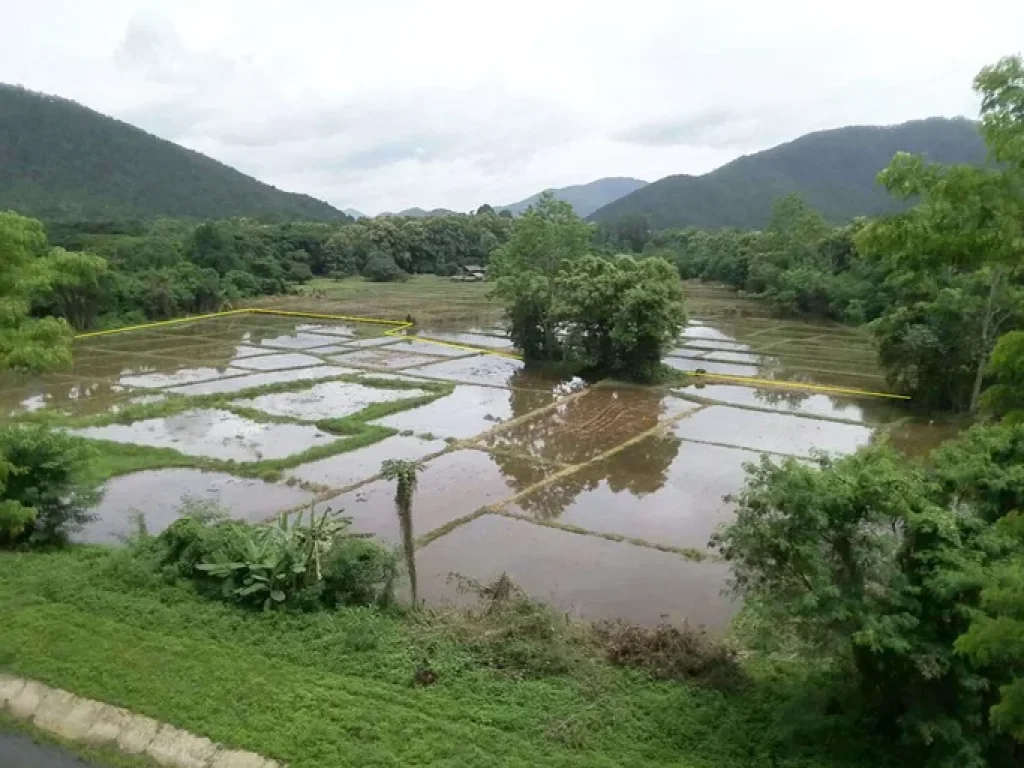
670	653
290	563
381	268
44	496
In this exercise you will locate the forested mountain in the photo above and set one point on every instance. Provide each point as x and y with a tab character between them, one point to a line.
355	213
419	213
833	170
584	198
60	160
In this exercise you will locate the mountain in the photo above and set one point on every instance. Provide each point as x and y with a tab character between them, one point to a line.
833	170
419	213
355	214
60	160
584	198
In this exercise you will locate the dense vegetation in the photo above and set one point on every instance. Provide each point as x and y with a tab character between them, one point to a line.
834	170
60	160
597	314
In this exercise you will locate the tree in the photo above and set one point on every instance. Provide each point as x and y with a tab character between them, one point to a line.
969	221
71	286
1005	397
618	316
485	210
43	493
866	559
26	344
545	239
404	473
381	268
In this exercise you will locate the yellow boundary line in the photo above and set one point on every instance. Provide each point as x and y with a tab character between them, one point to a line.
798	385
398	327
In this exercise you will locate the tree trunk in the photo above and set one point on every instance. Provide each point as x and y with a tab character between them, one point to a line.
986	342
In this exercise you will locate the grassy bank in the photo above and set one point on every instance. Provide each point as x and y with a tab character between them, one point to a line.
337	688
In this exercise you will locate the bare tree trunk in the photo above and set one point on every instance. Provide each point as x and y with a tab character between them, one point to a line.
986	342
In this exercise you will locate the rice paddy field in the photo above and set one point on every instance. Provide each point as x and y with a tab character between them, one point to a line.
599	498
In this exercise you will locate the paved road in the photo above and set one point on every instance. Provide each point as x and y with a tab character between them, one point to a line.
19	751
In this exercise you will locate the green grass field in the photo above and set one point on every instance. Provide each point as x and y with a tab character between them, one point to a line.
335	689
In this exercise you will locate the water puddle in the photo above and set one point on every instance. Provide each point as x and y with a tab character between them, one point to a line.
374	341
774	432
661	490
158	496
483	369
421	347
329	330
587	576
472	339
244	350
705	332
586	426
381	358
449	487
214	434
796	401
689	365
300	341
330	400
278	362
919	438
182	376
251	381
363	463
467	411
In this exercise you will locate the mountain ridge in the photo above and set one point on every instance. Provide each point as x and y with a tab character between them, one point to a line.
584	198
62	160
835	170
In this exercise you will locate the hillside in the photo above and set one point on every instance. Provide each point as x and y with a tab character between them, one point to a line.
834	170
584	198
60	160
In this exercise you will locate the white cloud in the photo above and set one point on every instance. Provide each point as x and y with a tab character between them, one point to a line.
451	103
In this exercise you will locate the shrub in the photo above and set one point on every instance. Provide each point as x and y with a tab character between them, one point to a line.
290	563
44	495
670	653
381	268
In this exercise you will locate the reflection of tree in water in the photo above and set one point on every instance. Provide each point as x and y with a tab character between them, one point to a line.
640	469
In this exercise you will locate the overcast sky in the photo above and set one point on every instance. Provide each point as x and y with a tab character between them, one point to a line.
385	104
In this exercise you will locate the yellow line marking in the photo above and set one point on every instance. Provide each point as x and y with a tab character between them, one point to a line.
799	385
398	328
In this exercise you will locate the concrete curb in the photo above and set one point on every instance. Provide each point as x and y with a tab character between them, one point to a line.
72	718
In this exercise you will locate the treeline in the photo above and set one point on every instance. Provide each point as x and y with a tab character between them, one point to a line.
107	273
937	285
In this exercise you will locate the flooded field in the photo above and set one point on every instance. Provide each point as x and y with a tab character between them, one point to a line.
600	499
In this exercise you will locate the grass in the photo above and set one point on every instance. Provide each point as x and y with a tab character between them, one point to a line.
336	688
429	299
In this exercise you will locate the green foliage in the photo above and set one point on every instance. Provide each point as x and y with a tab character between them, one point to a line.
286	564
404	473
1005	396
61	160
546	239
881	564
26	344
381	268
44	494
618	316
834	170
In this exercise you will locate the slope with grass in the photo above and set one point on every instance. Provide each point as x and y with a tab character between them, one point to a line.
833	170
60	160
336	688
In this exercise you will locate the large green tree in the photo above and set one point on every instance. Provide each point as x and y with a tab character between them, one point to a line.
547	238
26	343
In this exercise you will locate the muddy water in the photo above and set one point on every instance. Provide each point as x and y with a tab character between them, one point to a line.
215	434
585	426
181	376
385	357
239	383
331	400
586	576
772	432
482	369
859	409
466	412
450	487
423	347
472	339
278	362
159	495
363	463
